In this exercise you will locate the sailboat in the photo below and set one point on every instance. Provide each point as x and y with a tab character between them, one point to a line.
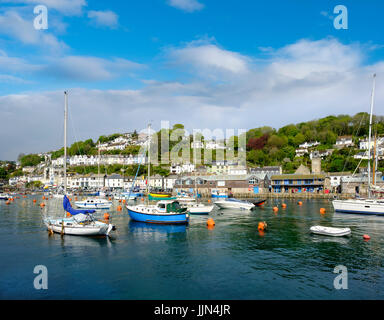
192	204
363	206
164	212
95	203
77	222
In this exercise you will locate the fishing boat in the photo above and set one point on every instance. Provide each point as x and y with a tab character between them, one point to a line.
94	203
215	193
232	203
80	223
330	231
76	222
4	196
370	205
163	212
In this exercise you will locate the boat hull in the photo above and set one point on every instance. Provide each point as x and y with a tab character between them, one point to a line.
234	205
200	209
85	205
369	207
96	229
180	218
328	231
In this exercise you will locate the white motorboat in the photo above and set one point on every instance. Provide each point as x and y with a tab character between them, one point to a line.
199	208
94	203
4	196
232	203
359	206
330	231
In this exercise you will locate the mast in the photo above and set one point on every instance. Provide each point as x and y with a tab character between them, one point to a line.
149	156
369	136
374	162
98	166
65	139
194	163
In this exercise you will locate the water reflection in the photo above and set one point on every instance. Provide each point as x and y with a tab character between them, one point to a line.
142	227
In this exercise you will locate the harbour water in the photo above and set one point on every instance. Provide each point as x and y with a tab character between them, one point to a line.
232	261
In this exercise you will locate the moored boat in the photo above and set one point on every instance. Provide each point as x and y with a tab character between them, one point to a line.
330	231
94	203
164	212
232	203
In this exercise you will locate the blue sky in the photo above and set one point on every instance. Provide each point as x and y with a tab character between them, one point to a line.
204	63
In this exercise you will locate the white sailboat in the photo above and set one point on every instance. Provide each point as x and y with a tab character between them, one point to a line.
81	222
369	205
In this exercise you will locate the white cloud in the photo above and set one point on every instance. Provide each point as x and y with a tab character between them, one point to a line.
209	57
104	18
13	25
88	68
299	82
186	5
66	7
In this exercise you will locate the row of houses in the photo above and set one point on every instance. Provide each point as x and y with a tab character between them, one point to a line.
84	160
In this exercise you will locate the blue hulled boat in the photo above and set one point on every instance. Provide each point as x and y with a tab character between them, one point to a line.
164	212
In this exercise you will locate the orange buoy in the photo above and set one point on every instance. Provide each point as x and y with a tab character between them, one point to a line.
106	216
299	203
366	237
70	199
42	205
109	199
7	202
119	208
210	222
120	200
142	199
209	200
283	205
68	214
34	200
75	198
275	209
322	210
262	226
124	201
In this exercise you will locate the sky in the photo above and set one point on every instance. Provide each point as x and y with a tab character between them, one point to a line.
207	64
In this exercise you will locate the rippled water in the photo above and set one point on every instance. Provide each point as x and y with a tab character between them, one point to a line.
232	261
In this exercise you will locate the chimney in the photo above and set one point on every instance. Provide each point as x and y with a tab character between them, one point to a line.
316	165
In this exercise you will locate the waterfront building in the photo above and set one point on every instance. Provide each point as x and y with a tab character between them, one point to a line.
114	181
292	183
241	184
333	180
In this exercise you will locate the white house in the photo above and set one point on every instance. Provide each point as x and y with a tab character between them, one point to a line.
344	141
214	145
320	154
178	169
301	152
114	181
306	145
363	144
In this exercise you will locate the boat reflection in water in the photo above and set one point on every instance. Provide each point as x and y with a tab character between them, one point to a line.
142	227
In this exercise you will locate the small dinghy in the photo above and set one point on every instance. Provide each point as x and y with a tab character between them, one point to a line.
330	231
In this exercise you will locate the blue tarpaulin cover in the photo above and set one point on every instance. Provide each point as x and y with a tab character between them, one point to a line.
67	207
